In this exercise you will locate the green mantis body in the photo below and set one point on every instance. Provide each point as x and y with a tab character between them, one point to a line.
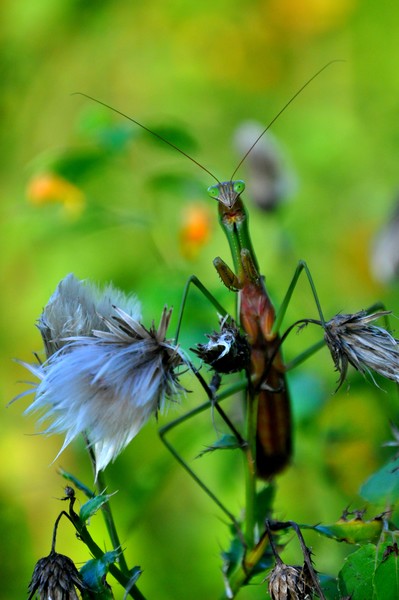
267	396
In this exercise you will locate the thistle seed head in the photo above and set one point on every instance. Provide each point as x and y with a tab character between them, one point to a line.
55	577
108	375
287	582
352	339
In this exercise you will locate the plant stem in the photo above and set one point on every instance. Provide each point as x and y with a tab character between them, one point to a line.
97	552
250	480
110	523
243	573
123	574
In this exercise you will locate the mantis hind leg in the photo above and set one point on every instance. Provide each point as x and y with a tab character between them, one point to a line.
303	267
193	280
213	401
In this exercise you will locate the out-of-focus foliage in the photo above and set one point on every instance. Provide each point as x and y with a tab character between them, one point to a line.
85	191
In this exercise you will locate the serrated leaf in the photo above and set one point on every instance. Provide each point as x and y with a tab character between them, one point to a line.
226	442
354	531
94	572
90	507
356	576
386	576
383	486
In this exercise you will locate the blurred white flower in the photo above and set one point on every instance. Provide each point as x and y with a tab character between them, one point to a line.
351	339
271	180
108	373
385	250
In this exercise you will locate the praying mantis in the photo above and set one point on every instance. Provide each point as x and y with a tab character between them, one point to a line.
267	443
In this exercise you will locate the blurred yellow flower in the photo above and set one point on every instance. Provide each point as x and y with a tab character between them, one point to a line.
49	188
311	17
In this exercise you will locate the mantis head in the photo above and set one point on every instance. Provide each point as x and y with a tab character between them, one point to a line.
227	192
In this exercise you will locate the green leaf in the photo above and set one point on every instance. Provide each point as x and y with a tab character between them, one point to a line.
226	442
93	505
354	531
383	486
233	557
356	576
174	134
134	575
329	585
93	574
172	183
386	577
264	502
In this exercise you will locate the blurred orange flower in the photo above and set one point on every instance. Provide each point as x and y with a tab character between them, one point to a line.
195	229
49	188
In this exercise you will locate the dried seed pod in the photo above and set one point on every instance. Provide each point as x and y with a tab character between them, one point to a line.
227	351
55	577
287	582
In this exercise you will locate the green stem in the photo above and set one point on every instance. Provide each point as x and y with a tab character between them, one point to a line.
243	573
110	524
250	455
123	574
97	552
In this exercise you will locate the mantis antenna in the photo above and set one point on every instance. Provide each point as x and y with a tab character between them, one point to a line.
280	112
160	137
157	135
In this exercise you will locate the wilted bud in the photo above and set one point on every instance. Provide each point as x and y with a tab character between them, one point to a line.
227	351
55	577
351	339
287	582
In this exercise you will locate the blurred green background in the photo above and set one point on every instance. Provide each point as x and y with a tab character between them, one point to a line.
197	70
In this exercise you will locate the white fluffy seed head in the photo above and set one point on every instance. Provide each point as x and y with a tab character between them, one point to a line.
106	374
77	308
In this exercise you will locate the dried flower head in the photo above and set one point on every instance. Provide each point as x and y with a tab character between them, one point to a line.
55	577
227	351
351	339
287	582
104	382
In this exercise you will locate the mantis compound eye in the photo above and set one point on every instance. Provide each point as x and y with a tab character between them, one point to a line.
213	191
238	186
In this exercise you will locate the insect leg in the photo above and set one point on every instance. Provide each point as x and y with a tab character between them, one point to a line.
193	280
213	400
